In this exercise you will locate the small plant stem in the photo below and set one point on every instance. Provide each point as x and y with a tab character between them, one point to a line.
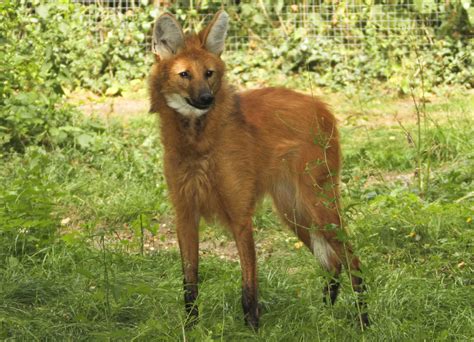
418	143
106	277
141	235
423	174
425	122
419	139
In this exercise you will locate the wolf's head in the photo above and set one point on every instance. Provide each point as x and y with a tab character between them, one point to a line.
190	68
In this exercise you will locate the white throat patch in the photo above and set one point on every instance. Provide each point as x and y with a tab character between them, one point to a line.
179	104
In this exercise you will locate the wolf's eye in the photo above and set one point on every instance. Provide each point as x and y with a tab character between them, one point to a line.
209	73
184	74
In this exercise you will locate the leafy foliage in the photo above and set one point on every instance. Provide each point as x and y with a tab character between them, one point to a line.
112	53
368	44
45	52
28	217
31	80
392	61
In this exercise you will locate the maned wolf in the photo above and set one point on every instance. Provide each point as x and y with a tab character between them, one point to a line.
223	151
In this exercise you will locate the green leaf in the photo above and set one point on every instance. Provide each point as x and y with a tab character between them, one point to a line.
279	6
42	11
84	140
63	28
246	9
112	91
470	14
425	6
418	5
466	4
259	19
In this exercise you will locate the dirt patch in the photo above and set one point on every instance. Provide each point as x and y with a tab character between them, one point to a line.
356	110
120	106
405	178
166	239
376	113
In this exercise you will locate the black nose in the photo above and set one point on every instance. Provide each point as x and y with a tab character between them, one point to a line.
206	99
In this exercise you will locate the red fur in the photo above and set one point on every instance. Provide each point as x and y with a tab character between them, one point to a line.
267	141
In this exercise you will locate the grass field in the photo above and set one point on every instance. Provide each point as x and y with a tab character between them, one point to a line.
88	250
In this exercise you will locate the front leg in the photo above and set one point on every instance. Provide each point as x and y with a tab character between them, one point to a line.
243	236
187	227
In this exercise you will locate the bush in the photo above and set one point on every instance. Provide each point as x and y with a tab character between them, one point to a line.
106	57
392	61
31	81
46	50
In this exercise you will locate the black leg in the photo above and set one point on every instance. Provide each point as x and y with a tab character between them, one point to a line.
250	307
190	295
331	291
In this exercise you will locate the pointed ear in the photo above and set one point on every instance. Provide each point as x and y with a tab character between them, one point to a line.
216	32
168	37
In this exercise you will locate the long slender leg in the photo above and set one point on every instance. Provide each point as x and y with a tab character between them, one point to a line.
188	239
345	255
331	290
245	244
302	216
309	216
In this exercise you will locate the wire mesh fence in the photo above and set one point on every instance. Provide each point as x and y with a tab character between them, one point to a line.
342	22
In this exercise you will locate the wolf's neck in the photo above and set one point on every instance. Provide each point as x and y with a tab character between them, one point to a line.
193	128
197	133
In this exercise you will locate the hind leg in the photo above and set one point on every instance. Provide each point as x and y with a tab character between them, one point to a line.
332	238
326	251
344	253
293	212
332	249
314	217
333	253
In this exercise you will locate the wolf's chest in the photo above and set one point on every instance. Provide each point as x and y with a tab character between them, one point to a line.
197	180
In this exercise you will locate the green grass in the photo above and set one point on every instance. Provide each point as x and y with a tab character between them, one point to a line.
71	266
